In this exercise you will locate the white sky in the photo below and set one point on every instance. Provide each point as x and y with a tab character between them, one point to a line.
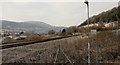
63	13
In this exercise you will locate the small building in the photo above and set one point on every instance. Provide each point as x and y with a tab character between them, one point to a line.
118	32
93	31
6	40
21	37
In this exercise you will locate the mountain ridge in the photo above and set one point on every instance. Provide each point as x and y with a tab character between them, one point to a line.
30	26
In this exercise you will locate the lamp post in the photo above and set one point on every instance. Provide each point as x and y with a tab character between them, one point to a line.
87	3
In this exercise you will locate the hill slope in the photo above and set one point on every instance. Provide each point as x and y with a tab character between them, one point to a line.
105	17
37	26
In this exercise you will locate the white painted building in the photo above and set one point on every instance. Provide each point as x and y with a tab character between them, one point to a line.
118	32
113	24
93	31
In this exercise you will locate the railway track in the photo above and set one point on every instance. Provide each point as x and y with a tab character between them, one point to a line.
32	42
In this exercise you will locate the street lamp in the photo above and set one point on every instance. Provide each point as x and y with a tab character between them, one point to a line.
87	3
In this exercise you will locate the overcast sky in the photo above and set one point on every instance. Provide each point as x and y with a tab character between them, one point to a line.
64	13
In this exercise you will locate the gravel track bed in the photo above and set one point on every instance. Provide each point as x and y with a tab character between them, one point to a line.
34	53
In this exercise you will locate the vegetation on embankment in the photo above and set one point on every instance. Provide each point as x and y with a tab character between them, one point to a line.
104	43
105	17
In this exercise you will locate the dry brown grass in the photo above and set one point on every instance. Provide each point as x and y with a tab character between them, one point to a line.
107	47
76	49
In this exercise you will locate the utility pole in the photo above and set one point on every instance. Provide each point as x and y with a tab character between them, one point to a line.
87	3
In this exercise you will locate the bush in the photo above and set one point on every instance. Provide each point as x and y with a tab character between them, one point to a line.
51	32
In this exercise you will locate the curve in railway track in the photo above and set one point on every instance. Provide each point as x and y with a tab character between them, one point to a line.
33	42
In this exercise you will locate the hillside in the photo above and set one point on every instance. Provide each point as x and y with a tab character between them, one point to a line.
105	17
37	26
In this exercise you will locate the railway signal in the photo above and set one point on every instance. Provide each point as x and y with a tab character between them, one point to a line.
87	3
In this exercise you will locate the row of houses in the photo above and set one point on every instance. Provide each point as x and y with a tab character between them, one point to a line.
101	24
11	38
